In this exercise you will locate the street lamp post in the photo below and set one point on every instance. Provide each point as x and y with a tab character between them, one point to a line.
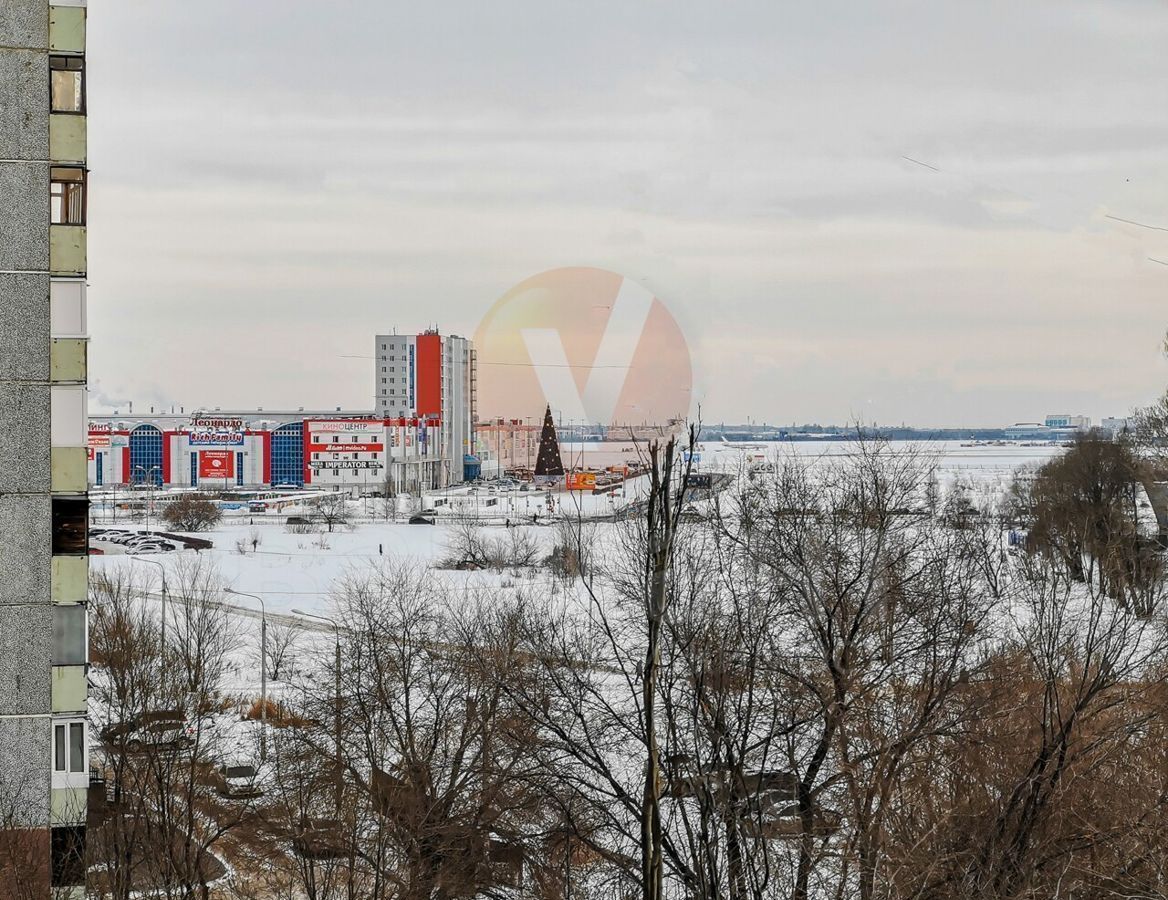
337	722
263	671
148	477
162	569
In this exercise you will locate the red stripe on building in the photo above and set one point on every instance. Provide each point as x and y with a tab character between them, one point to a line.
166	454
126	465
306	434
267	435
428	374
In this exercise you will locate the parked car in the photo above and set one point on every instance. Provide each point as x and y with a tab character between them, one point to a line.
237	781
163	729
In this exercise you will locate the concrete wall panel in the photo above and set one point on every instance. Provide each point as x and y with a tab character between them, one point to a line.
24	114
25	321
26	646
24	217
24	439
24	23
26	550
21	742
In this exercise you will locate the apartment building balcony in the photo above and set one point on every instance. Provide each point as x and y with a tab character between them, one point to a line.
67	28
67	249
67	137
69	579
68	358
68	466
68	805
70	686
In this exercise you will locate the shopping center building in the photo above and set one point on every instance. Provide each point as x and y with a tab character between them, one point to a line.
231	449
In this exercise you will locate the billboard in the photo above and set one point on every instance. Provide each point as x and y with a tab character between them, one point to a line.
345	464
215	438
344	425
581	481
99	439
215	423
346	448
216	464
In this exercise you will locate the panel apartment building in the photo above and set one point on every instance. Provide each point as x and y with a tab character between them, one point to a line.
43	502
425	375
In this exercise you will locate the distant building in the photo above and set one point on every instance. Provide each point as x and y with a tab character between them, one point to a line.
231	450
504	444
1115	426
428	376
1029	431
1065	421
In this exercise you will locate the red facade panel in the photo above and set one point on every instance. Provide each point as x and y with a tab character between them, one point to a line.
428	374
167	453
307	437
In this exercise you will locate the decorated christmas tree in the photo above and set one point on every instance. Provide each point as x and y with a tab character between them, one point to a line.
548	461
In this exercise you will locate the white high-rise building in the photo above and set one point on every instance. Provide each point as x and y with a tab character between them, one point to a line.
429	374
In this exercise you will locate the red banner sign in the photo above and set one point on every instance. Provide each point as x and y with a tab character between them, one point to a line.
216	464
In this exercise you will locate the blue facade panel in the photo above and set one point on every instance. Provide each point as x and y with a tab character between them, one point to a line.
146	455
288	455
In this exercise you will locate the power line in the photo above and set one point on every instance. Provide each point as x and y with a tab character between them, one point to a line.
919	163
1138	224
488	362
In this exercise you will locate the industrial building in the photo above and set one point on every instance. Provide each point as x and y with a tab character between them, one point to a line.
44	765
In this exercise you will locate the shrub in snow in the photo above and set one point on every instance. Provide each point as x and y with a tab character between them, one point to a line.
191	512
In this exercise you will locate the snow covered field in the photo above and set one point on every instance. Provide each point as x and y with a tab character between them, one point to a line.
298	570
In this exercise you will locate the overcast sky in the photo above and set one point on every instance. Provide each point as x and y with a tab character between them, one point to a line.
274	183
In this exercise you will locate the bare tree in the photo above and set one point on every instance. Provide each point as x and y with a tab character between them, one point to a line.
1050	788
283	640
429	753
389	498
1083	511
333	510
202	629
155	716
471	545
